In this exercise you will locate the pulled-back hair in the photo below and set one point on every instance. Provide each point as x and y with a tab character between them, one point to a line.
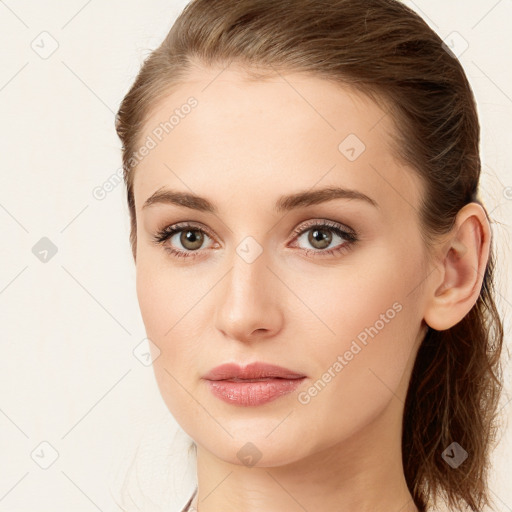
385	50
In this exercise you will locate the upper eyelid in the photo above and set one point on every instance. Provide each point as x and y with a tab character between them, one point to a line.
325	223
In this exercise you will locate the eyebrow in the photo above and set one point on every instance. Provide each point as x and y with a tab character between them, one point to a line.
284	203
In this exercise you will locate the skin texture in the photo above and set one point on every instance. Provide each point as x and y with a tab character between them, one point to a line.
244	145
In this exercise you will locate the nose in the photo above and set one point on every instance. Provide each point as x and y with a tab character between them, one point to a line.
249	306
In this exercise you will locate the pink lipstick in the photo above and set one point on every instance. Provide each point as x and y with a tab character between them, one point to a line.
254	384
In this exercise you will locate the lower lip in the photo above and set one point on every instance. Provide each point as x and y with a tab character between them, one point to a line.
252	393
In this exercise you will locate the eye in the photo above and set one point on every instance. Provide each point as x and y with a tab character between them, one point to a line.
326	237
188	236
184	240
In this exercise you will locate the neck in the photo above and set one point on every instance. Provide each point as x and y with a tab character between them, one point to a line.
362	473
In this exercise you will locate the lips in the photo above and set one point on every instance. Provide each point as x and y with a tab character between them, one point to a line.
253	372
252	385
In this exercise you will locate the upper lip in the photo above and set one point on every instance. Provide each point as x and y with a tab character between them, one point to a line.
251	371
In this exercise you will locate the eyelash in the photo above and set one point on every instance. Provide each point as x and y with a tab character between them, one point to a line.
349	235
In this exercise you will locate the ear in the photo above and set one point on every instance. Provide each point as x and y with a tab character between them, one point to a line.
462	260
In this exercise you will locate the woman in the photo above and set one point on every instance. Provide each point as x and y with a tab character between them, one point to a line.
314	265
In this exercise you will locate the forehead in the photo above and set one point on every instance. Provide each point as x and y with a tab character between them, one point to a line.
288	129
297	103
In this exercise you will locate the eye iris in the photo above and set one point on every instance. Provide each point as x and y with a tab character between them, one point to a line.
193	237
324	238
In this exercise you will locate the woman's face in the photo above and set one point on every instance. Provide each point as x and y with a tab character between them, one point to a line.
265	273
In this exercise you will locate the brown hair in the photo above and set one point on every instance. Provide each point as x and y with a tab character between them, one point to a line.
387	51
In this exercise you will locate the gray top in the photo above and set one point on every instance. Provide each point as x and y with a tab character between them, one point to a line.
191	505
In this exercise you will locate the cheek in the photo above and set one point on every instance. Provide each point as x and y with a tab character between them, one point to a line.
367	290
370	322
174	308
169	321
164	294
155	300
167	309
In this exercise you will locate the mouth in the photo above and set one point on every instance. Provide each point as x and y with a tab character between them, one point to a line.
260	380
251	372
252	385
248	392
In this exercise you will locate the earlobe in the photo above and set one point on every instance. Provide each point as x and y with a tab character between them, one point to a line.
462	262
